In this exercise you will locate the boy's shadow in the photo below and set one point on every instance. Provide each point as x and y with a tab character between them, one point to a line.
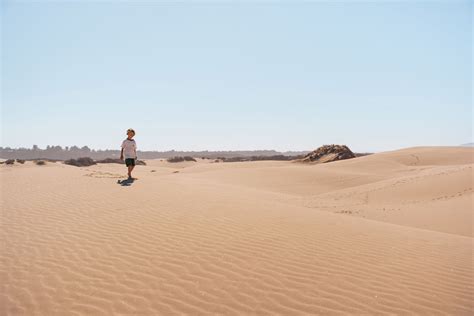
126	183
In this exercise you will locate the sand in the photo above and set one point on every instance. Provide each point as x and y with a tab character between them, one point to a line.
389	233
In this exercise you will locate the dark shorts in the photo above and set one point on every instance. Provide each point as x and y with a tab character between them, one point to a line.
130	162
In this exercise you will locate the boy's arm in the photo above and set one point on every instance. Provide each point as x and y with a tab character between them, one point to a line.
121	155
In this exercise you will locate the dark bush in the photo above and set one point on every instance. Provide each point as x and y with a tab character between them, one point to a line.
21	161
10	162
180	159
189	158
110	160
45	159
80	162
175	159
40	162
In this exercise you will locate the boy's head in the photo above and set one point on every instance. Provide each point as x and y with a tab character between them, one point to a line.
130	133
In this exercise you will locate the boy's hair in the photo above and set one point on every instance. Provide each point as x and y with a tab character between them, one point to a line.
131	130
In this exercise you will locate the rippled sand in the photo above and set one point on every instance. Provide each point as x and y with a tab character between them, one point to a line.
389	233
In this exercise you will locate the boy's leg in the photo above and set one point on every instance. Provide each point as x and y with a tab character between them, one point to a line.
130	165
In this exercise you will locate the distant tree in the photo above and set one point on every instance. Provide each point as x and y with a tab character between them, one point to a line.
35	147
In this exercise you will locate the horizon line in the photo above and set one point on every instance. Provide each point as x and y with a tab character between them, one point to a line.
469	144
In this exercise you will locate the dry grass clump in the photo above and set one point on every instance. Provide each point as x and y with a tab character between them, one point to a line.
40	162
81	162
181	159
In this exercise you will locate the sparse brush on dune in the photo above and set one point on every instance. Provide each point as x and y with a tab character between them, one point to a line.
81	162
181	159
328	153
110	160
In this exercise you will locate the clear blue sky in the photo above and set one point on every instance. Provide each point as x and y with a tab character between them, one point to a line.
283	75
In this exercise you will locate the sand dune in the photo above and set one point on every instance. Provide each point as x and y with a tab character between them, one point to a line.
389	233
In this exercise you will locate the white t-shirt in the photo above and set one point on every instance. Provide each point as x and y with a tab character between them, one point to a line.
129	148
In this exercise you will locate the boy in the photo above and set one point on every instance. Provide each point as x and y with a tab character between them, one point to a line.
129	151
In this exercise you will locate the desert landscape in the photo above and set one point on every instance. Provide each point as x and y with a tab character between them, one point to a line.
388	233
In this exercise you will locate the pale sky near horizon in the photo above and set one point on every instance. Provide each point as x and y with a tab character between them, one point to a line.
286	75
